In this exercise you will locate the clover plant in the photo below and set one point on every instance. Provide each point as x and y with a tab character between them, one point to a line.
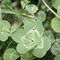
29	29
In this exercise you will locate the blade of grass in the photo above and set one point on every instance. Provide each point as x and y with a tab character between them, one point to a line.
7	11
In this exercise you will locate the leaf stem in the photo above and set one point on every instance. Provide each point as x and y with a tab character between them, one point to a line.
1	45
51	9
38	3
9	44
0	14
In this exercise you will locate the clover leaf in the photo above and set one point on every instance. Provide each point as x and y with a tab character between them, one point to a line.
27	56
55	3
50	35
4	30
41	15
55	49
10	54
31	36
33	24
55	24
30	28
41	50
28	37
31	8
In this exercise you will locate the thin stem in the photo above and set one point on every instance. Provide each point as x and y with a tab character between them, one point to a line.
0	14
51	9
30	16
1	45
38	3
9	44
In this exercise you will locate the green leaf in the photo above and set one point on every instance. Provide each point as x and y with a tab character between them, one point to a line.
28	37
4	30
29	26
5	26
10	54
33	24
57	57
24	40
55	49
50	35
31	8
27	56
41	15
58	10
22	49
4	36
55	24
18	35
55	3
45	41
28	40
15	26
23	4
7	11
40	51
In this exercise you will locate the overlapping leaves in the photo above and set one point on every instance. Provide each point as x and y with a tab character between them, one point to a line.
55	49
49	34
4	30
40	15
30	38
